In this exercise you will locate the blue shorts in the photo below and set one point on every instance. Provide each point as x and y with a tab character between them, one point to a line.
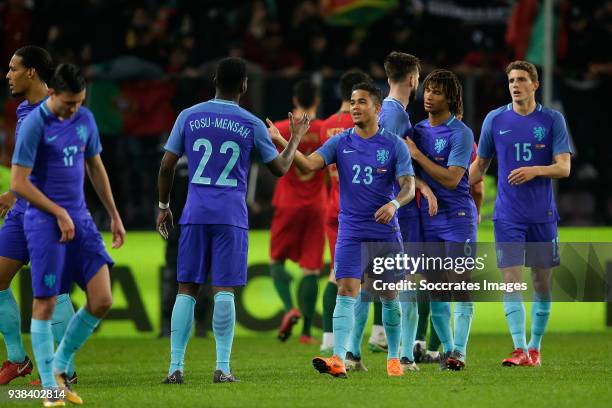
535	245
13	244
350	262
215	250
412	235
459	238
54	265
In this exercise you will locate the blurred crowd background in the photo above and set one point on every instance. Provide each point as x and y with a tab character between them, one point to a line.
147	60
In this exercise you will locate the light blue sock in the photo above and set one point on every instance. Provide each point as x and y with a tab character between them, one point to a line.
440	317
81	326
224	320
180	330
464	312
410	321
344	319
62	314
392	321
42	344
515	315
362	310
540	312
10	327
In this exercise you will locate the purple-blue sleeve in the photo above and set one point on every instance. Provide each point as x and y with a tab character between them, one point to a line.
26	145
175	142
94	146
462	146
560	136
486	146
403	164
328	150
263	144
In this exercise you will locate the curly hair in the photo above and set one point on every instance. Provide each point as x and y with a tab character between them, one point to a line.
449	84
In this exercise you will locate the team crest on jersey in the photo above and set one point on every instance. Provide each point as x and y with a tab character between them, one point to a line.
82	132
539	133
382	155
440	145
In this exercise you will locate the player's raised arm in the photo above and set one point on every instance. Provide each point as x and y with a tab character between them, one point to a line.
306	164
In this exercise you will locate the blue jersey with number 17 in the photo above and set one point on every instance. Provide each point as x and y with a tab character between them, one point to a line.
367	170
218	138
520	141
55	149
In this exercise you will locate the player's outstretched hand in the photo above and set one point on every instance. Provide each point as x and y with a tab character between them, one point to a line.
431	200
118	232
164	222
7	201
274	133
385	213
522	175
66	226
300	126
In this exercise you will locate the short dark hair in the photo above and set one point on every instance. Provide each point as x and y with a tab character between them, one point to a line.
38	58
230	75
305	91
67	78
448	82
524	66
372	89
399	64
349	79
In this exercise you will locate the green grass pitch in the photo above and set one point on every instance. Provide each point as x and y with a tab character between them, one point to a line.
127	373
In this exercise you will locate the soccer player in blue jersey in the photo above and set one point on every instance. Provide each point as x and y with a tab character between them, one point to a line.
403	78
442	146
30	69
369	161
58	142
218	138
532	148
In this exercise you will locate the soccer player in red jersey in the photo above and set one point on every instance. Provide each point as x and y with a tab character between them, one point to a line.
297	231
334	124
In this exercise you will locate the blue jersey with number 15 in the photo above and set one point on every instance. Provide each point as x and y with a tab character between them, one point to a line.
218	137
520	141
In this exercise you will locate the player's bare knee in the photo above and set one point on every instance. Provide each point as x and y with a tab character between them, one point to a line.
101	305
512	274
8	270
189	289
541	279
42	308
